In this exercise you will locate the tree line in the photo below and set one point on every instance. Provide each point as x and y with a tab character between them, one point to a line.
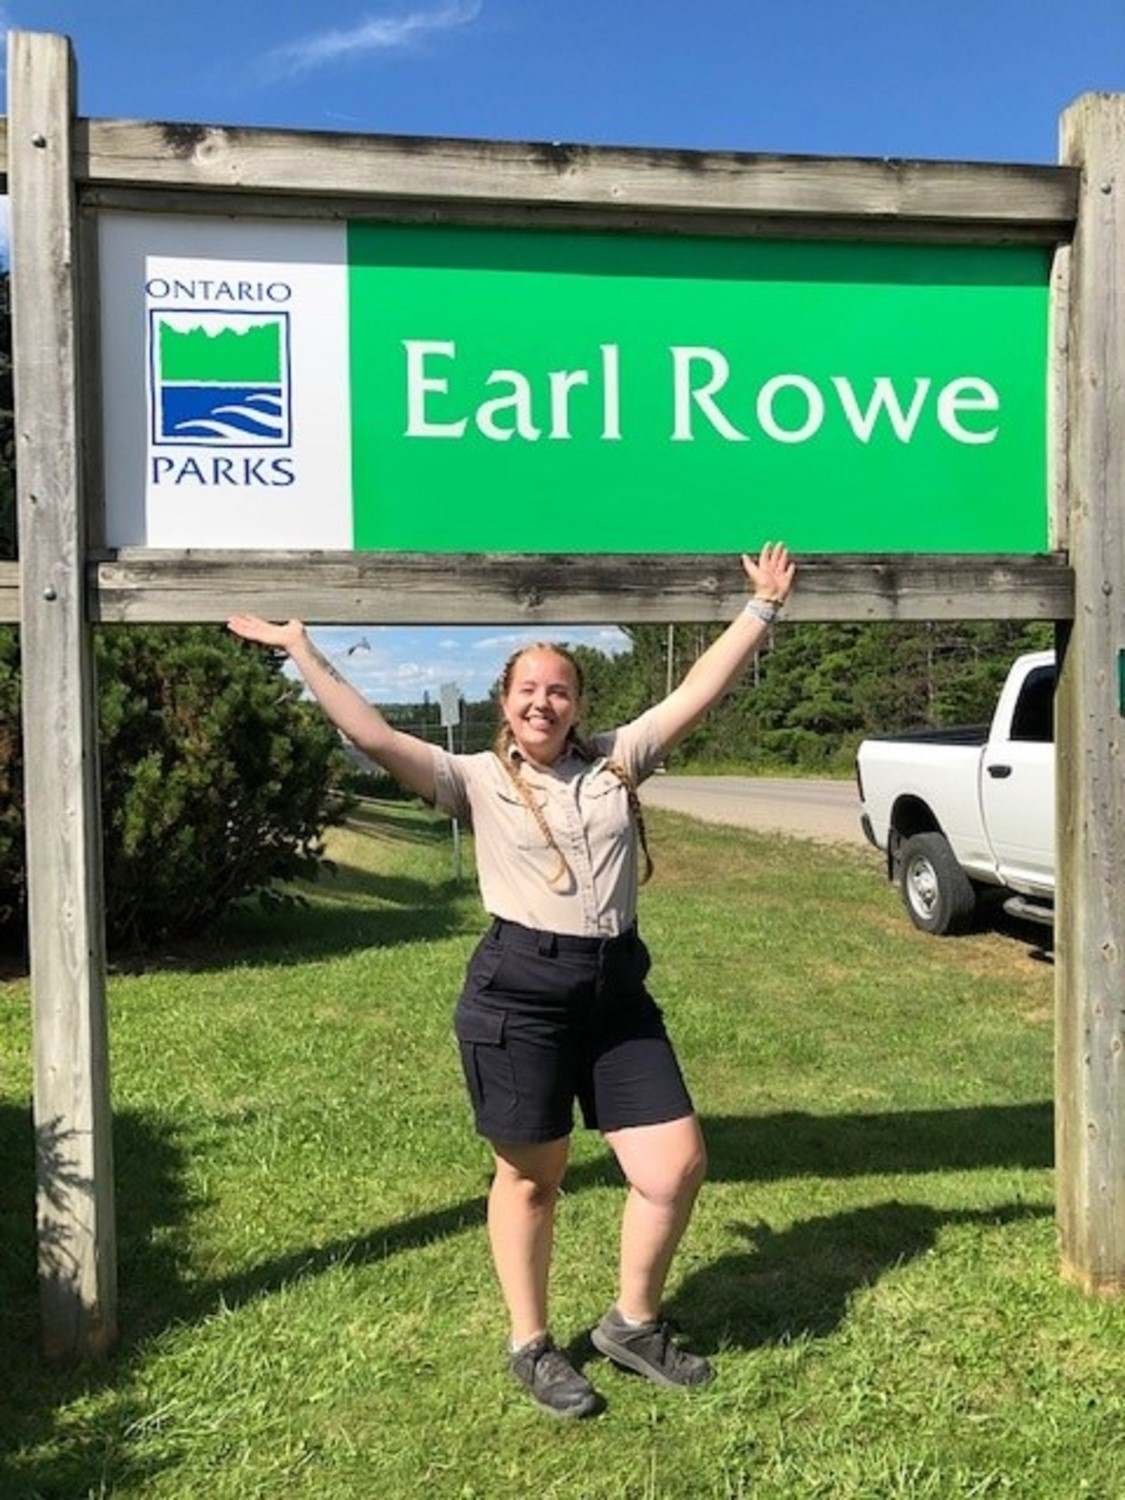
816	690
802	706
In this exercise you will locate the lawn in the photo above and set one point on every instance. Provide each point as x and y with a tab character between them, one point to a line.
306	1303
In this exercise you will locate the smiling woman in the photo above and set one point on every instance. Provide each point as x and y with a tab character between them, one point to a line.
540	689
555	1010
541	692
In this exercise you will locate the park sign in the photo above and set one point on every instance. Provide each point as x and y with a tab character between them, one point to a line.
431	388
620	360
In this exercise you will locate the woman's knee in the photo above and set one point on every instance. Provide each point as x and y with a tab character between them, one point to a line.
695	1168
665	1164
533	1174
685	1173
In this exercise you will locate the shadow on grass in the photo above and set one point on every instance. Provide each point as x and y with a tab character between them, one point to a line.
799	1283
88	1456
397	821
346	909
1037	937
794	1144
340	914
770	1148
783	1285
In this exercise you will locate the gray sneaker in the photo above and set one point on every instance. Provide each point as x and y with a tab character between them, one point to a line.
647	1348
551	1380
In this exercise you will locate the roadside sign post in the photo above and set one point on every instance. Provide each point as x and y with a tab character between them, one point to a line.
71	1091
450	718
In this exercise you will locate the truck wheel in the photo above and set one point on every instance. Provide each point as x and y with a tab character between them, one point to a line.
938	895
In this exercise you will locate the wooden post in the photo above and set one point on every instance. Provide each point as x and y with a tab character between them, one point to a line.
1090	927
75	1201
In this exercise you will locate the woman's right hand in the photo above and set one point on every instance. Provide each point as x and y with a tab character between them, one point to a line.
251	628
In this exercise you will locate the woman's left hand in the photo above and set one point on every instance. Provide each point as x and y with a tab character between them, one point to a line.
771	576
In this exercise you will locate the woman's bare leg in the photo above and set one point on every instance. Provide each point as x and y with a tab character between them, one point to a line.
521	1222
664	1166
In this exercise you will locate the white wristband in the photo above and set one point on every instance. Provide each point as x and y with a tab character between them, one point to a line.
762	609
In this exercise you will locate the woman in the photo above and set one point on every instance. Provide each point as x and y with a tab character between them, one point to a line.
554	1007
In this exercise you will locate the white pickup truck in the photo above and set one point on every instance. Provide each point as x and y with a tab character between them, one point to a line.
964	812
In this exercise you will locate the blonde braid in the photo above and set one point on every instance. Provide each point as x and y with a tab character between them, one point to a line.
588	753
638	816
512	761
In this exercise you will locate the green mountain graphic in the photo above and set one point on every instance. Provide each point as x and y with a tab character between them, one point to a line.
250	356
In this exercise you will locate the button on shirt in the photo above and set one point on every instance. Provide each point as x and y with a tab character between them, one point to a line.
587	810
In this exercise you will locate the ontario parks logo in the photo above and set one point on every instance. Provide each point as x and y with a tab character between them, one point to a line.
220	378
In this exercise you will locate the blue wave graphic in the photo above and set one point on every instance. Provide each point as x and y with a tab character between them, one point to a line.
224	414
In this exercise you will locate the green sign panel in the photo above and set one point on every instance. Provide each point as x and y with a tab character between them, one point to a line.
526	391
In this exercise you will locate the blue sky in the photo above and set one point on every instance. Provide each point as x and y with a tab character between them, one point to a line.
981	80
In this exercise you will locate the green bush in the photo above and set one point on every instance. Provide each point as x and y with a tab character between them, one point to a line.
216	779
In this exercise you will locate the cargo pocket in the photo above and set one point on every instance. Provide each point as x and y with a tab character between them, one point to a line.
486	1062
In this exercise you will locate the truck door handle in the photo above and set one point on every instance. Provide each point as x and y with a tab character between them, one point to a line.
998	773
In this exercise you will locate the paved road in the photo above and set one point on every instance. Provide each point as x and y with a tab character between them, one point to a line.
809	808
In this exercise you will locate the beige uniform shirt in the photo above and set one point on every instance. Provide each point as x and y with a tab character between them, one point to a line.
587	810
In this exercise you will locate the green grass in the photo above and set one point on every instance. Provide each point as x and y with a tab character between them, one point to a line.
307	1305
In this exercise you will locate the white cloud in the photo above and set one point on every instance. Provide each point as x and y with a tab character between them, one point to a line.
491	644
601	637
389	34
398	664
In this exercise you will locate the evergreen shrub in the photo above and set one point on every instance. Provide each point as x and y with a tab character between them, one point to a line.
216	779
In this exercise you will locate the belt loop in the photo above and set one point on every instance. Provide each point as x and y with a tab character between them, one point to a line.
548	947
497	927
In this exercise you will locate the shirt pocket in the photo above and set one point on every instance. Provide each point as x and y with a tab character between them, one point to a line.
606	815
520	823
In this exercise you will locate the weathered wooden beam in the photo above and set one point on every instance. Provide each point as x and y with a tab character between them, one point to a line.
74	1166
416	588
1090	924
225	159
1005	200
372	588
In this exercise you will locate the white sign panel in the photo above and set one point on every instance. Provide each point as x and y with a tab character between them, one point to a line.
225	381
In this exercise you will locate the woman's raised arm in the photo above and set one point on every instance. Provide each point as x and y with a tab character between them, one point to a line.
406	757
770	577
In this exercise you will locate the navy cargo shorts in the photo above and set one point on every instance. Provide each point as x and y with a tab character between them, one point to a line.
545	1019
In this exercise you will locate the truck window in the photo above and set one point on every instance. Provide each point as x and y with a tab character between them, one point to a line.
1034	717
